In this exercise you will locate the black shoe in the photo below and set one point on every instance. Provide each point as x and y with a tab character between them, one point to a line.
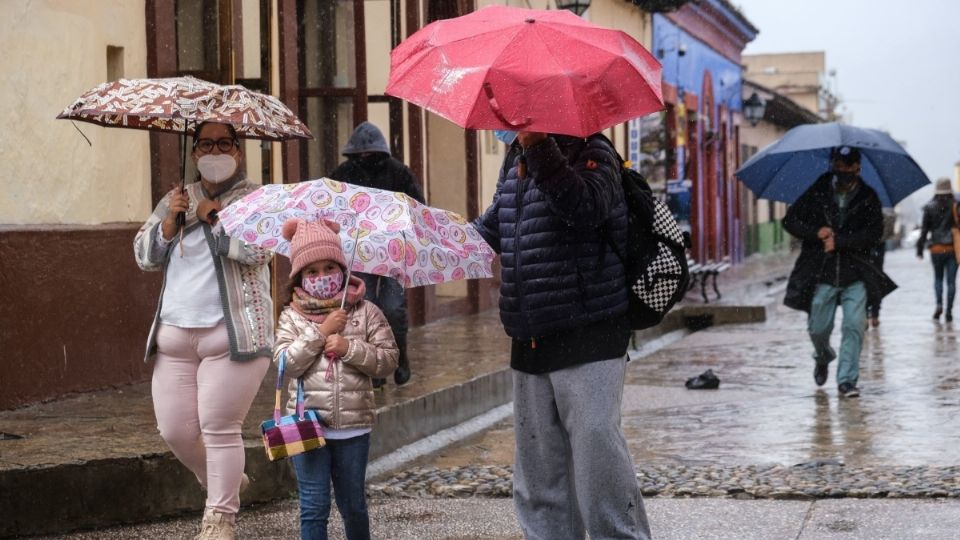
378	384
848	390
402	375
704	381
820	372
937	313
949	317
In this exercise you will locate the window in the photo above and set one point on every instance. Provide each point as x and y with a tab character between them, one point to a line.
333	92
114	63
198	39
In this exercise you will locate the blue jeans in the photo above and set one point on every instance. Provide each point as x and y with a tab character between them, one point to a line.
823	310
344	462
944	265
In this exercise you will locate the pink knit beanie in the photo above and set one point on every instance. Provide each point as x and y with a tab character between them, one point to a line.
313	241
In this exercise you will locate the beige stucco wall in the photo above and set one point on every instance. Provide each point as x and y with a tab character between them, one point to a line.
761	136
796	75
54	50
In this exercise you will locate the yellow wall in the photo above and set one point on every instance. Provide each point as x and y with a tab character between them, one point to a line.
54	50
795	75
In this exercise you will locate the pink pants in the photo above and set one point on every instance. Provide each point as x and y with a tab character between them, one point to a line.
200	398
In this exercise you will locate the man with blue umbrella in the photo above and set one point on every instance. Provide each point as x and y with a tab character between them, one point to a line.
840	222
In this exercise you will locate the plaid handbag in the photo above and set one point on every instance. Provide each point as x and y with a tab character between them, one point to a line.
286	436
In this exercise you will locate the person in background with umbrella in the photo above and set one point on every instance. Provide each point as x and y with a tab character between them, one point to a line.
937	236
563	301
840	222
369	164
212	336
337	350
879	254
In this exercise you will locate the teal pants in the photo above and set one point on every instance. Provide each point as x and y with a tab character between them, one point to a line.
853	300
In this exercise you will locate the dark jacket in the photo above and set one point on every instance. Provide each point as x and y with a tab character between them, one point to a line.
937	223
856	237
563	294
381	171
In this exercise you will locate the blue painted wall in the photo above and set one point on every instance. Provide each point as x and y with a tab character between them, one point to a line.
686	73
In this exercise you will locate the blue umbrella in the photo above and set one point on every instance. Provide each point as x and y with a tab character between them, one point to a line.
788	167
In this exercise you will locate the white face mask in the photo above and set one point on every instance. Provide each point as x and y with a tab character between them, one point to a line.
216	168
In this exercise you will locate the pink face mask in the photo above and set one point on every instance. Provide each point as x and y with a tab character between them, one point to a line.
324	287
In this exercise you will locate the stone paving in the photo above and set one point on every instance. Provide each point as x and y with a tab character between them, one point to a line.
807	481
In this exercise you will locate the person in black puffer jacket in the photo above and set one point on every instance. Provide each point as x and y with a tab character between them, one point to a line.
370	164
937	236
563	301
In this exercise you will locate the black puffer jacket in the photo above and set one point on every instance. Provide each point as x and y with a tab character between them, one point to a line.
563	291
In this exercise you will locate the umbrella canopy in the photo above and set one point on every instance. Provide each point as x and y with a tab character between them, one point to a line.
520	69
787	168
179	104
392	234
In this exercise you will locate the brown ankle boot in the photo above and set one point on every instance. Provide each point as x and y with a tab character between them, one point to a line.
217	526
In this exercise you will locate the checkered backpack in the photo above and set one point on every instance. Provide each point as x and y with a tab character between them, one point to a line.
655	261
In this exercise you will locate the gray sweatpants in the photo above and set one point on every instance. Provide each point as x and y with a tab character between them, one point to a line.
573	472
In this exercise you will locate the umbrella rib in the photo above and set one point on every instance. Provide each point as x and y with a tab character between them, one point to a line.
480	90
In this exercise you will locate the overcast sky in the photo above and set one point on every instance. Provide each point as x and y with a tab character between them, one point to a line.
897	64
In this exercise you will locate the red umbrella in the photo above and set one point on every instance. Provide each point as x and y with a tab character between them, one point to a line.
522	69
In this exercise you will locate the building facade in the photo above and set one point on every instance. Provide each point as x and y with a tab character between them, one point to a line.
800	76
74	307
763	219
700	46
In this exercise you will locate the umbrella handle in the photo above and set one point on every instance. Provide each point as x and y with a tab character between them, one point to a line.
498	112
356	242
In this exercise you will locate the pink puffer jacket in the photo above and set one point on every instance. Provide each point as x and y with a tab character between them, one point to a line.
347	400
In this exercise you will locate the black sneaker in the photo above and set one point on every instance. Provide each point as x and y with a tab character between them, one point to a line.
378	384
820	372
949	317
848	390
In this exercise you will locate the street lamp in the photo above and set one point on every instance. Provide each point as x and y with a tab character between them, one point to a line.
576	6
754	108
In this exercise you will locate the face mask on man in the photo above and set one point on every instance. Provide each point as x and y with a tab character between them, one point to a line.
374	159
844	180
216	168
325	287
505	136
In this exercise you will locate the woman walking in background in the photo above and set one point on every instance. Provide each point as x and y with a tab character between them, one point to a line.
936	235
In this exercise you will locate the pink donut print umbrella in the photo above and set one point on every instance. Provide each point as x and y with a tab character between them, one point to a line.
384	232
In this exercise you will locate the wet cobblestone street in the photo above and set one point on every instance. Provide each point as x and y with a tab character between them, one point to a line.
768	432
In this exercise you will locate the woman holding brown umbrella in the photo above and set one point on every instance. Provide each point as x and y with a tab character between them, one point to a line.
213	333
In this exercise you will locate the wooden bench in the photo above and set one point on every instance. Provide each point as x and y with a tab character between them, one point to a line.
704	271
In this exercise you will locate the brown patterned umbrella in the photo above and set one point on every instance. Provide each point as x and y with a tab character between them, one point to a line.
179	104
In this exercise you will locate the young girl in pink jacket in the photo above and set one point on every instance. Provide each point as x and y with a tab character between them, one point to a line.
337	352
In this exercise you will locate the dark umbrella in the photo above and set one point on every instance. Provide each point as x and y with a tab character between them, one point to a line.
787	168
